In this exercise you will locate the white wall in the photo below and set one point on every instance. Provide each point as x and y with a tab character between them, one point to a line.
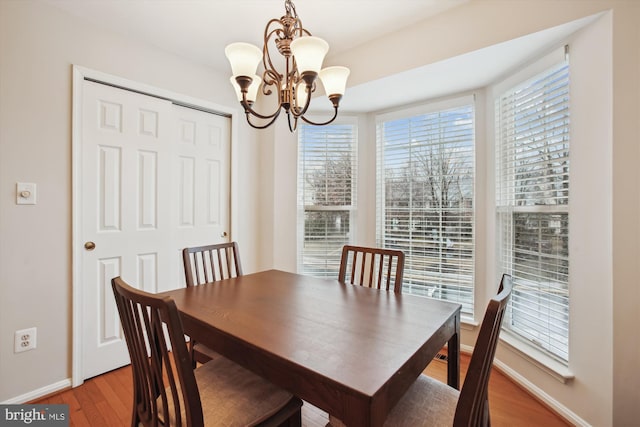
38	46
605	236
626	212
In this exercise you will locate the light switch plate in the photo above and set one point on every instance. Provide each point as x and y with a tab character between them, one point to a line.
25	193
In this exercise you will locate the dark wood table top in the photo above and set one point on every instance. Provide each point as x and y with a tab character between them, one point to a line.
349	350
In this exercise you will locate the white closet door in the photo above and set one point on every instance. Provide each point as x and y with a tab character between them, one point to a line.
150	185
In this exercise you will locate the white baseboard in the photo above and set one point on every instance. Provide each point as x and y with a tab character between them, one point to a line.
38	393
541	395
534	390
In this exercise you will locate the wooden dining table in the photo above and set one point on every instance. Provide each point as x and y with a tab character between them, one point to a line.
349	350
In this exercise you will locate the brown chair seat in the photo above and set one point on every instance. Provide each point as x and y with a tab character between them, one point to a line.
234	396
428	402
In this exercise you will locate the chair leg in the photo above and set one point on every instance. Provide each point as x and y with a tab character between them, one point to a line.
487	417
293	412
192	355
135	417
294	420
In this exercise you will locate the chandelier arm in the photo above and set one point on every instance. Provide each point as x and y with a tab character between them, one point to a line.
249	110
278	29
271	21
300	29
335	114
270	78
264	126
266	56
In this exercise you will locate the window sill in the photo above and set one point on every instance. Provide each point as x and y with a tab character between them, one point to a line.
536	357
526	351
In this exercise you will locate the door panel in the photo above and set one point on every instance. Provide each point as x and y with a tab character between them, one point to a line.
147	184
202	178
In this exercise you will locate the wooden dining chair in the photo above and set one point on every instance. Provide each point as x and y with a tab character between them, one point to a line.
373	267
429	402
204	264
168	391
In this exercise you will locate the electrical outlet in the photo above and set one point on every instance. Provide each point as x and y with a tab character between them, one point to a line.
25	339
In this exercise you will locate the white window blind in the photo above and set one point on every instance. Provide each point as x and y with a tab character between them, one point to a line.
327	169
425	200
532	202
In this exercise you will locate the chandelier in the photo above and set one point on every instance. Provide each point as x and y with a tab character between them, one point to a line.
301	61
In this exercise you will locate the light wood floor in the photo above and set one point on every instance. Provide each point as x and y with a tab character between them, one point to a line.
106	401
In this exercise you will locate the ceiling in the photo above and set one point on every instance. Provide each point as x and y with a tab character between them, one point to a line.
199	30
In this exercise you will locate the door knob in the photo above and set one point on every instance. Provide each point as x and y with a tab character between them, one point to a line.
223	234
89	246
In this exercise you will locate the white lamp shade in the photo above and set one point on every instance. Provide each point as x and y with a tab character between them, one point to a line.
309	53
244	58
334	80
301	95
252	92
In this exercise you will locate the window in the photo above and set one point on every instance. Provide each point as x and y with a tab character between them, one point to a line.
425	198
532	206
326	195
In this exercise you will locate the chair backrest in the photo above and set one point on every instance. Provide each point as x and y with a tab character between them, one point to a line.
372	267
473	405
144	319
203	264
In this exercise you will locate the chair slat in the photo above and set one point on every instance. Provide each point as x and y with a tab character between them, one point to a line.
204	264
372	267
